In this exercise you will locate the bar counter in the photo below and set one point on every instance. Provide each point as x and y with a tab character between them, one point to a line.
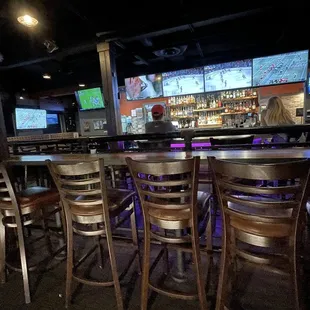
119	158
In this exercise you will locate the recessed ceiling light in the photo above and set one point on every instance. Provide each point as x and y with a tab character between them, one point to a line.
46	76
82	85
27	21
21	97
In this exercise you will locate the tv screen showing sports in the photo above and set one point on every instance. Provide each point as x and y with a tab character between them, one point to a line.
52	119
90	99
30	118
229	75
183	82
144	86
280	69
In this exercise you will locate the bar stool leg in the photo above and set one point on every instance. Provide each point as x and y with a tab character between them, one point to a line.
295	277
146	264
222	288
2	251
134	232
117	287
197	263
69	235
23	258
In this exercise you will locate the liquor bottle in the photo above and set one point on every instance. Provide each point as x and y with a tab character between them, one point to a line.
234	94
243	93
253	105
231	95
226	108
237	93
254	93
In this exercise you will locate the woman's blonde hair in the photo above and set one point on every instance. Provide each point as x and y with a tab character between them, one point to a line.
276	113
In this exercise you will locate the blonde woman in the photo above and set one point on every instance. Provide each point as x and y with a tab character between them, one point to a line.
276	115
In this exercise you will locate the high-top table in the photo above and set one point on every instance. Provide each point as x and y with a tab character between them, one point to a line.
119	158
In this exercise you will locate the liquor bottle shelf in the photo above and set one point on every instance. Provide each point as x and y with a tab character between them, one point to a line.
209	109
235	113
210	125
182	105
178	117
238	99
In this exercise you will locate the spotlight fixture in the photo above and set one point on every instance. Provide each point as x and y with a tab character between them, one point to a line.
46	76
81	85
27	21
21	98
51	46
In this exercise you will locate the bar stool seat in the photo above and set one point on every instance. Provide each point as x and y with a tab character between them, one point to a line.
118	201
181	215
31	199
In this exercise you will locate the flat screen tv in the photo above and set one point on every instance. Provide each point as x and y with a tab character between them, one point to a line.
30	118
144	87
183	82
52	119
229	75
90	99
280	69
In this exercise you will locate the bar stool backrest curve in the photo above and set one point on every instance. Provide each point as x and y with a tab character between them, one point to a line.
81	185
263	208
168	185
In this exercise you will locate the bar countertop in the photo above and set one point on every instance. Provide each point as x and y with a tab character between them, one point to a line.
119	158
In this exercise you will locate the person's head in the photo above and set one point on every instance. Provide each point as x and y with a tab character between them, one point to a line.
157	112
276	113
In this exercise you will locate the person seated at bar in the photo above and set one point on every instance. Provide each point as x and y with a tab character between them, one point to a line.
276	115
158	125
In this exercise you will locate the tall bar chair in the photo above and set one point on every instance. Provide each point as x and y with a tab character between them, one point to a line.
89	206
262	225
168	196
17	211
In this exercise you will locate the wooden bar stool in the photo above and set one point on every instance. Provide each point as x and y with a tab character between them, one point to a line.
19	210
262	225
89	206
168	195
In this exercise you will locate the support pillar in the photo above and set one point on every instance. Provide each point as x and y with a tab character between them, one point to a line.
4	150
110	87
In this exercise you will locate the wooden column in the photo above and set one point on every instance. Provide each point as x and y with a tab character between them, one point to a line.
4	150
110	87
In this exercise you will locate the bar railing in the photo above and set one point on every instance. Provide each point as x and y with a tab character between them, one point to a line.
187	136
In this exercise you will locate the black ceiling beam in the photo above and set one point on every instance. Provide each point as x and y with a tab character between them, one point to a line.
56	56
211	21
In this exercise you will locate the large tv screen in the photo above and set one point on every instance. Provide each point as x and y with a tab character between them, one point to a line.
144	86
52	119
183	82
30	118
90	99
229	75
280	69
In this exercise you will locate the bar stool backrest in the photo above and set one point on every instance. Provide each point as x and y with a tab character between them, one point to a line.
225	140
7	193
261	201
169	184
80	184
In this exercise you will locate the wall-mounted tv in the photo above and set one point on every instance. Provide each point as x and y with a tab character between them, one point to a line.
30	118
52	119
144	86
280	69
183	82
90	99
229	75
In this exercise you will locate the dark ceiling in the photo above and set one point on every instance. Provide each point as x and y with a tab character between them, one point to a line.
143	33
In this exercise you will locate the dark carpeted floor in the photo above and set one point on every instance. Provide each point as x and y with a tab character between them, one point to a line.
254	289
